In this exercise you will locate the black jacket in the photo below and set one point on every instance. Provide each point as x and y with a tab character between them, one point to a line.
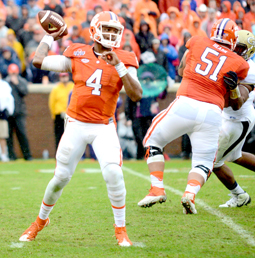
19	91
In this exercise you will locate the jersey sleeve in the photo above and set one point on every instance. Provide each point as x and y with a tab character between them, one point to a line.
128	58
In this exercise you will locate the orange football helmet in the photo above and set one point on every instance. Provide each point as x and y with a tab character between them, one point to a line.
225	31
107	19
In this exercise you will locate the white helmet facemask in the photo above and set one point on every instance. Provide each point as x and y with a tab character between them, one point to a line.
109	39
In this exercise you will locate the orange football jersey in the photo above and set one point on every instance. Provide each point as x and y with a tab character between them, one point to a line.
96	84
206	64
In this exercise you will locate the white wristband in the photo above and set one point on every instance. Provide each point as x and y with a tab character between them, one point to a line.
121	69
48	40
234	94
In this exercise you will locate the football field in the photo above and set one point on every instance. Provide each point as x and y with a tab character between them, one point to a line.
82	220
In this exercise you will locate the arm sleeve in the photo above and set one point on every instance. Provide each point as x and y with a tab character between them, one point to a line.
57	63
133	73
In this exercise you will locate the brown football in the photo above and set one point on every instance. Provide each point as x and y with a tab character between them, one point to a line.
52	22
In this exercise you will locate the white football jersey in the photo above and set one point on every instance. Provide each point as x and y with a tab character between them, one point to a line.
246	112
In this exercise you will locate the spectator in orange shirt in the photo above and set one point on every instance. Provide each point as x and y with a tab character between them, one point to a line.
187	14
226	11
195	28
82	12
240	16
236	5
144	16
163	5
152	10
91	4
174	21
250	16
72	19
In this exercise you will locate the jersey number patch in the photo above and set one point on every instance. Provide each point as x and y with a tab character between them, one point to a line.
209	63
94	81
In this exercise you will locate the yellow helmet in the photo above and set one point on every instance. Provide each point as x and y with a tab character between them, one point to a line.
245	45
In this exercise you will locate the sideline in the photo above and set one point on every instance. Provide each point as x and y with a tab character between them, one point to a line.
224	219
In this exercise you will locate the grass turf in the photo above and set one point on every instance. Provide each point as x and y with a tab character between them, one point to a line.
82	220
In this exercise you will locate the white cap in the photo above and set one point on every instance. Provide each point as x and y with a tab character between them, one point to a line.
202	8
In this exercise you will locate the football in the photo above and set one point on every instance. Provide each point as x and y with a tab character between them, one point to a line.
52	22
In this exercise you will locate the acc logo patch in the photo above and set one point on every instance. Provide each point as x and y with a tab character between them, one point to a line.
79	52
251	41
85	60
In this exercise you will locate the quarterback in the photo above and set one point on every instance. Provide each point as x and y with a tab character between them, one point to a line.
196	110
99	72
236	125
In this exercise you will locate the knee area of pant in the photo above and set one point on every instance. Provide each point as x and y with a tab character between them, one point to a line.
154	154
112	174
202	170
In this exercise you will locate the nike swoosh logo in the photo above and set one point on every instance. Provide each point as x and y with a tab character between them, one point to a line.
70	121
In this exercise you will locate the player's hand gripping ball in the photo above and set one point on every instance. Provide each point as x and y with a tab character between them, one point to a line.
52	22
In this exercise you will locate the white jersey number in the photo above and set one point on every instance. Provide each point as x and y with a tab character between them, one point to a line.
94	81
209	63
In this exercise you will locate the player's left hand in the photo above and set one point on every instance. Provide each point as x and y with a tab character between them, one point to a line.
110	58
231	80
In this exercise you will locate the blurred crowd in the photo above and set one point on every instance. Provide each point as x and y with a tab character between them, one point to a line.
170	22
156	31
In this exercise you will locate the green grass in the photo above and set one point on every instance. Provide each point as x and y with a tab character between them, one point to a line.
82	220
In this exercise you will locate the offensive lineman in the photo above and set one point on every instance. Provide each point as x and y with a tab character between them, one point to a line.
99	72
195	111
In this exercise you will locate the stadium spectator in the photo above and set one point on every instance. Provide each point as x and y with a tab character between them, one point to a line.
208	23
246	25
17	47
144	37
192	4
75	35
14	21
52	5
164	5
72	19
58	100
235	6
160	55
247	8
187	14
24	12
226	11
90	5
195	28
33	8
6	109
202	12
26	33
8	56
17	122
125	14
32	44
170	52
175	22
250	16
90	15
3	27
98	9
152	11
82	13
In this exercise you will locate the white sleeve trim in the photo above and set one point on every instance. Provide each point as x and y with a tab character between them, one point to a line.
57	63
133	73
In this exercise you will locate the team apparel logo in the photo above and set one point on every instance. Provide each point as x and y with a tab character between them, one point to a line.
79	52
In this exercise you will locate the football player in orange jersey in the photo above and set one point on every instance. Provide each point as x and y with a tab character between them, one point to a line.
99	72
196	110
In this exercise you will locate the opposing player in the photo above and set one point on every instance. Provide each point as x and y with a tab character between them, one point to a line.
195	111
236	125
99	72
